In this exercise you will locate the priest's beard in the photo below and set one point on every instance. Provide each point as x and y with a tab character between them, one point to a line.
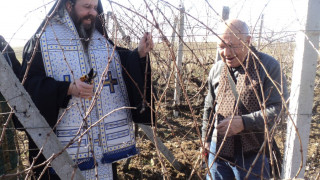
84	31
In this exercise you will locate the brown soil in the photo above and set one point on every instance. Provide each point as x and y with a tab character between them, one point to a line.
181	138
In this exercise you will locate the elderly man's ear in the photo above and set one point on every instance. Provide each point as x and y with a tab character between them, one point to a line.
248	39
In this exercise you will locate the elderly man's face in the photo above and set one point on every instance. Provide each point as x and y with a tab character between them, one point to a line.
83	14
231	49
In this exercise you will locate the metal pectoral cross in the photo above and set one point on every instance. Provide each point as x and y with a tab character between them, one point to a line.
110	82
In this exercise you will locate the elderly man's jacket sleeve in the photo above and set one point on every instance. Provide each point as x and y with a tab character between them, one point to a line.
270	96
209	104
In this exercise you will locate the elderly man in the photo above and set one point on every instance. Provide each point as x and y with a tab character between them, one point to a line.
237	86
73	44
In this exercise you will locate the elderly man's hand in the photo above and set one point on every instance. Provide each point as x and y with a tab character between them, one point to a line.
235	127
145	45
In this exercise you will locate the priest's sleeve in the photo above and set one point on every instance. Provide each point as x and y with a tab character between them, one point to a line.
139	92
48	94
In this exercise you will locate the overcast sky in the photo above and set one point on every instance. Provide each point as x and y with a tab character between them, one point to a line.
20	18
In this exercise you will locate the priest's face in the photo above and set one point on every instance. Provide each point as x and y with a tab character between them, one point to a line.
83	14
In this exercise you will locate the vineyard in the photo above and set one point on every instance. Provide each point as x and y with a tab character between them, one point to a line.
185	50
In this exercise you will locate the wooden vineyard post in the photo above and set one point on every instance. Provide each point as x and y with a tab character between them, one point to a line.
302	91
225	13
260	31
173	37
177	88
108	15
225	16
34	123
125	37
117	27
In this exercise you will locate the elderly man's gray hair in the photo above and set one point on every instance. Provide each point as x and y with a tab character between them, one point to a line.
236	26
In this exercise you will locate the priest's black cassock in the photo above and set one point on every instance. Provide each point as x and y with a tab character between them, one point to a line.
50	95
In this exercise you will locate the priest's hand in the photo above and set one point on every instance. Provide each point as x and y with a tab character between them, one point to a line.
235	127
80	89
145	45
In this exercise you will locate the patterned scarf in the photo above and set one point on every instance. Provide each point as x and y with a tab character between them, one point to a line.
226	105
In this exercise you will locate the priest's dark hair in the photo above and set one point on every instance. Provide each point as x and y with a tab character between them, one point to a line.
73	2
